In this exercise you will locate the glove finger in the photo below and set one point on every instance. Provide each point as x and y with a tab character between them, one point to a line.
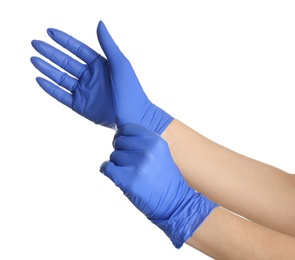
125	158
131	129
107	43
61	78
132	143
59	58
56	92
76	47
119	175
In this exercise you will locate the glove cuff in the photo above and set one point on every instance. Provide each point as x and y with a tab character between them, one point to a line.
184	222
156	119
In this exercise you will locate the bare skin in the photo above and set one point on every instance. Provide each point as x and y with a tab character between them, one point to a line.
261	195
226	236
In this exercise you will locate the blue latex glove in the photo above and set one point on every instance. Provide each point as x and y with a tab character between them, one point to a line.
105	91
142	167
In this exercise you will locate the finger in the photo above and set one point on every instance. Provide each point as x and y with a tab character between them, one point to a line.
132	129
56	92
61	78
110	170
125	158
61	59
132	143
123	143
107	43
119	175
78	48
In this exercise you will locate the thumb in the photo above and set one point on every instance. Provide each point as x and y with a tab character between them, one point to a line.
107	43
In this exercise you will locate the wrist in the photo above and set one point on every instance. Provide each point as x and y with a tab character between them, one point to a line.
186	219
157	120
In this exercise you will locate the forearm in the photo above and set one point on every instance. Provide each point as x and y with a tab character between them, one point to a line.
243	185
224	235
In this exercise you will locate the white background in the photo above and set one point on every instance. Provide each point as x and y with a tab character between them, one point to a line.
225	68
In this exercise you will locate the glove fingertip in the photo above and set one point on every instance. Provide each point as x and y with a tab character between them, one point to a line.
100	24
40	81
107	43
103	167
33	60
100	31
110	170
50	32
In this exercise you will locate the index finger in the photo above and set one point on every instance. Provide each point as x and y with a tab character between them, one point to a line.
75	46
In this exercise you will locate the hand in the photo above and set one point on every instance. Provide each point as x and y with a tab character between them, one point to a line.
142	167
105	91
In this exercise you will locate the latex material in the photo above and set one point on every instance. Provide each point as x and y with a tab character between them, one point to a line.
142	167
103	90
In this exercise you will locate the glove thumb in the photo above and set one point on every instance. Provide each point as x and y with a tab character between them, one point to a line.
107	43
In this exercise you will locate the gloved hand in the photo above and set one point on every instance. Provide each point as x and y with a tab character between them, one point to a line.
142	167
105	91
